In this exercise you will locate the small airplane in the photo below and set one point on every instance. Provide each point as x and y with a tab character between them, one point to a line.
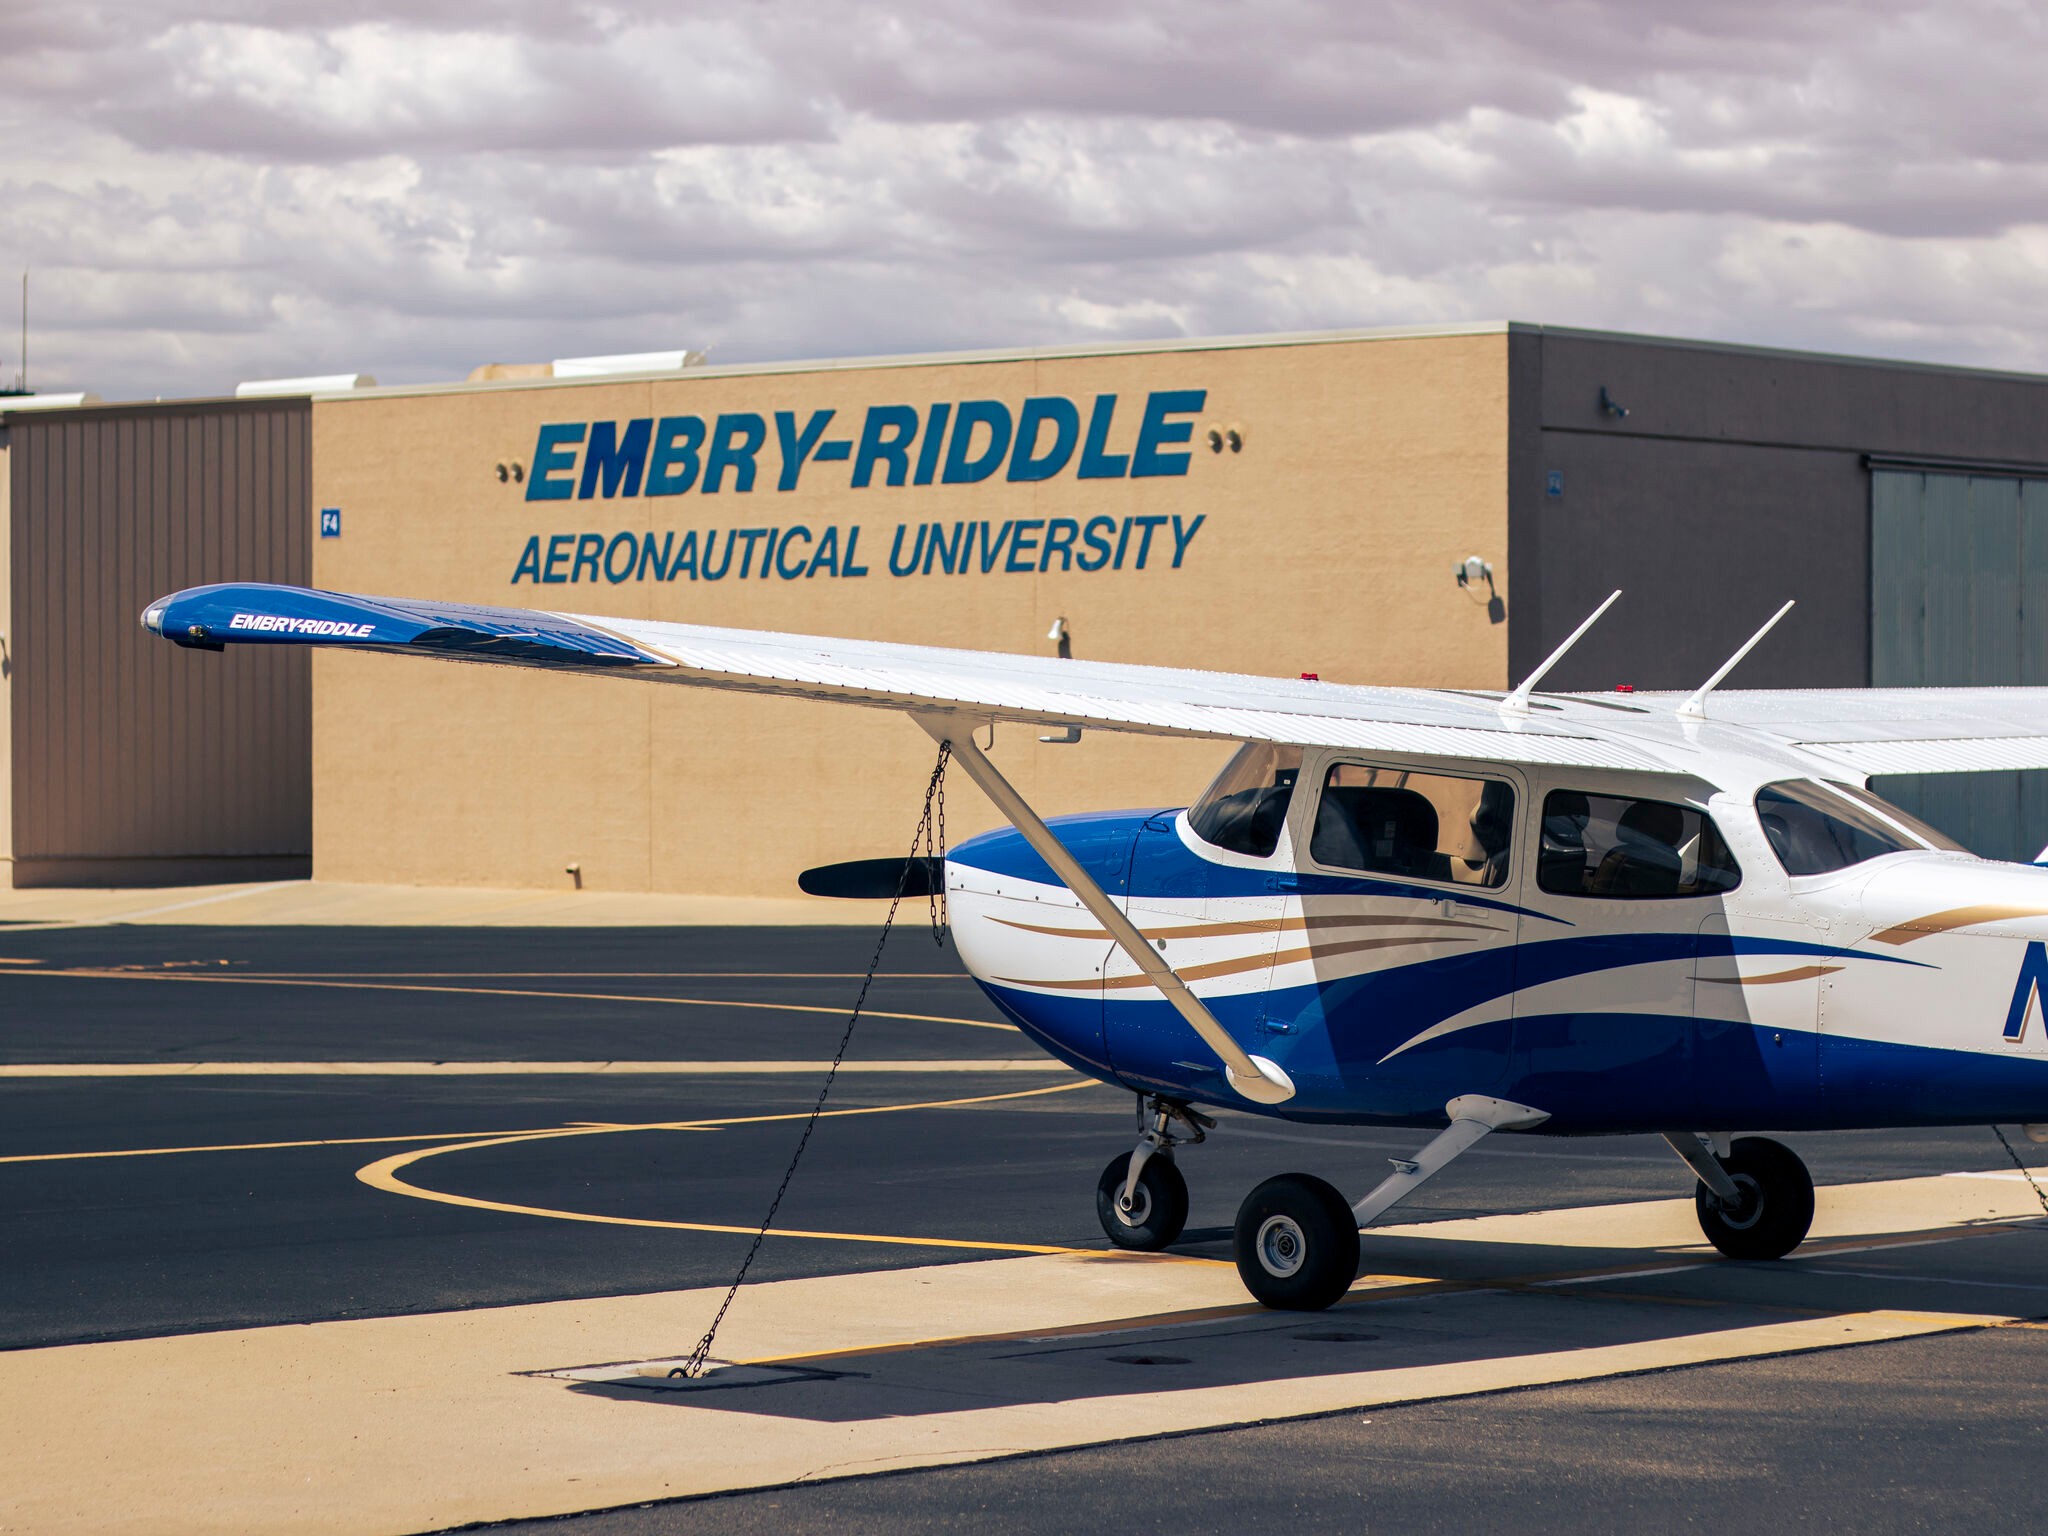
1459	911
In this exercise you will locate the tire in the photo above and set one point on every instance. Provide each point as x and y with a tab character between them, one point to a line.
1296	1243
1159	1205
1777	1203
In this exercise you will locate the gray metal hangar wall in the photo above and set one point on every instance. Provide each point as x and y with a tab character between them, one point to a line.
120	762
1902	505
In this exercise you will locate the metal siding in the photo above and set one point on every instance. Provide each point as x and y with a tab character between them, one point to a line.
127	749
1955	560
1705	539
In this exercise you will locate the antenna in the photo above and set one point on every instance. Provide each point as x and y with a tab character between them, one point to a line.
1694	708
1518	702
22	382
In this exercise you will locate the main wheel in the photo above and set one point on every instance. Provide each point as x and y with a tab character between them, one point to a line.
1296	1243
1159	1205
1777	1202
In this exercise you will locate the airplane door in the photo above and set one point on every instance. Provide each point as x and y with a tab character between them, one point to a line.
1756	1021
1604	1026
1392	987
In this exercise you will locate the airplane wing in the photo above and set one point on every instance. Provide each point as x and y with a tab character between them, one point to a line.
1894	730
983	685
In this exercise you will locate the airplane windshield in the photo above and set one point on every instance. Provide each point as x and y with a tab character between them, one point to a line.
1816	829
1245	808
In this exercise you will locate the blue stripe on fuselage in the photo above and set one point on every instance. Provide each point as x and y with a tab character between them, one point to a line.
1138	854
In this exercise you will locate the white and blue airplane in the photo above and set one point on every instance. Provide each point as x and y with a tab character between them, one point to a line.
1458	911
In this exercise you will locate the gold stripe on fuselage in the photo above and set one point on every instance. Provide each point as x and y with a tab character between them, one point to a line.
1236	967
1315	922
1952	919
1797	973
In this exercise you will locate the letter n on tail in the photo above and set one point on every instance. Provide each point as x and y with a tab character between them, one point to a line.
2027	992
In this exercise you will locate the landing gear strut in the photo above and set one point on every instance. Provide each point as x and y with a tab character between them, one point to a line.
1755	1199
1296	1239
1141	1198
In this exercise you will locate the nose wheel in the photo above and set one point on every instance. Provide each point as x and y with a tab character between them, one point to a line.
1141	1199
1152	1213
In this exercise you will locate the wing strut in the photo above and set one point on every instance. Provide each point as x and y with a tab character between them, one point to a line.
1695	708
1260	1080
1517	703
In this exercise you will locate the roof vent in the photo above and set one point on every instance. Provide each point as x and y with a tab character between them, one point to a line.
47	402
312	384
625	362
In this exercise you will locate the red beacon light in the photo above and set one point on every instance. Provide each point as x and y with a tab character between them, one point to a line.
1311	677
1624	687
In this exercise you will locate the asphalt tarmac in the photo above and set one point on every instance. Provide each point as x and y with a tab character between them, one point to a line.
135	1206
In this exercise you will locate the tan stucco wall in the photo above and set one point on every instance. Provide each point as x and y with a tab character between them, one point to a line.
1368	468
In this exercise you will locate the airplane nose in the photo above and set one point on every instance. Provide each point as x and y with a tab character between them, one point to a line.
1035	950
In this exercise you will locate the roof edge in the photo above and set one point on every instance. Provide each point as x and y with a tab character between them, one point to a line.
941	359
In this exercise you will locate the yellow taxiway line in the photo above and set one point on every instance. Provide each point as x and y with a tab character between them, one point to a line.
512	1068
529	1133
81	973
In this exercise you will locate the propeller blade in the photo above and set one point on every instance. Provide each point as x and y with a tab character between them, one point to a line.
874	879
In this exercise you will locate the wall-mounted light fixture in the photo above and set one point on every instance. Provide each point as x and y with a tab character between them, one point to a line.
1060	638
1219	438
511	470
1471	572
1609	406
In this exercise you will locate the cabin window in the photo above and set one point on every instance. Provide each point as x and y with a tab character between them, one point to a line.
1630	850
1816	829
1245	808
1419	826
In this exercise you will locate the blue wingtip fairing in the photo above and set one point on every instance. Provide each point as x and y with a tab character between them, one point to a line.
211	618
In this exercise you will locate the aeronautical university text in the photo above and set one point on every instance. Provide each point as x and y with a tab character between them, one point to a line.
1014	545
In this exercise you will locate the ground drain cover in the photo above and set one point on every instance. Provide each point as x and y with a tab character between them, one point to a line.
669	1375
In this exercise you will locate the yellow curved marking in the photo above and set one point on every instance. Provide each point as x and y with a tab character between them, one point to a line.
383	1175
1954	918
580	997
1254	925
1797	973
1236	967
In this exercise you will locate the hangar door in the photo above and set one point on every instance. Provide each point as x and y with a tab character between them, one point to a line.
1959	597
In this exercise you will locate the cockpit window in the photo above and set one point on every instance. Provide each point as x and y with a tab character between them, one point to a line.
1423	826
1815	829
1245	808
1933	837
1630	850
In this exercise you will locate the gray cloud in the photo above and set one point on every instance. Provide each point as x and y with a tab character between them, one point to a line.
266	186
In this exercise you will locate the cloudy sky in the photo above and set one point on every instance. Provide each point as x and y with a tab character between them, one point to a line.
244	188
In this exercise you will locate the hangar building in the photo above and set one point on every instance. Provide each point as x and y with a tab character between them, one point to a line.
1277	504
